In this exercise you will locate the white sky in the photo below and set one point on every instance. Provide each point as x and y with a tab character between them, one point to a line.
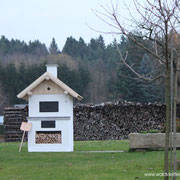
43	19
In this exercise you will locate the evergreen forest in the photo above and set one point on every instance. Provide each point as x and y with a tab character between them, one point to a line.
93	69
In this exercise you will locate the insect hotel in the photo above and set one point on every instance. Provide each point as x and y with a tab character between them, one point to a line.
50	113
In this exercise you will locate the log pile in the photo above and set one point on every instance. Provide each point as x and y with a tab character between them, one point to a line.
116	120
13	117
48	137
99	122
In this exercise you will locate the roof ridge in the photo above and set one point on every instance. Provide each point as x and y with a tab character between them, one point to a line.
55	80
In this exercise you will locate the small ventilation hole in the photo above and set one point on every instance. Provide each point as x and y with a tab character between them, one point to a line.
48	88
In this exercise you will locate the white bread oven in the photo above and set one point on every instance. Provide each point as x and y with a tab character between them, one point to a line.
50	112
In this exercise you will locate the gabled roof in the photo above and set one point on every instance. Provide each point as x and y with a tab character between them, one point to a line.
48	76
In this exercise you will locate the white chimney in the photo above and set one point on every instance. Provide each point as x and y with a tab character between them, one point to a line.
52	69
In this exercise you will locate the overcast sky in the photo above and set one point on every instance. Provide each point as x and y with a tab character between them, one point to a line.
43	19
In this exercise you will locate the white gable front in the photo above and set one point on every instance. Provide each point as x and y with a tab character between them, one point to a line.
46	79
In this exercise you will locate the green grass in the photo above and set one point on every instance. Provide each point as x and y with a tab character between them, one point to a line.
114	145
80	165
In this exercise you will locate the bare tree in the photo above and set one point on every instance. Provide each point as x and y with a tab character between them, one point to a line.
159	23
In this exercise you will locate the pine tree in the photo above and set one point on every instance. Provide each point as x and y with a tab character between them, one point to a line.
149	91
82	49
126	83
93	46
71	47
53	49
37	48
112	56
4	45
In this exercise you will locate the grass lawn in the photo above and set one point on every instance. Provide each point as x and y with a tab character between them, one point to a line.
80	165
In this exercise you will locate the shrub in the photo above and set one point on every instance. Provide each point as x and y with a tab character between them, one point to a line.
1	129
154	131
150	131
143	132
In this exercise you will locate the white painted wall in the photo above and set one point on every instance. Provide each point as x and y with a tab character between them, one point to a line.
66	128
65	105
64	125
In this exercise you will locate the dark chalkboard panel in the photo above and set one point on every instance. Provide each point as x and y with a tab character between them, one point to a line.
48	106
48	124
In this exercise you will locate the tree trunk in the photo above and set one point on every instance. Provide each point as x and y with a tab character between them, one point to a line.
174	124
167	138
174	117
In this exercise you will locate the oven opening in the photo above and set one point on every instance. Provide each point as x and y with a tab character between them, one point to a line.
48	137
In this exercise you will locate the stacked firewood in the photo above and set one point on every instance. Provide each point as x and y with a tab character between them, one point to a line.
116	120
13	117
98	122
48	138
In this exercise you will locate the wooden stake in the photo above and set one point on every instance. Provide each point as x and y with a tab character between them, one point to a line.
21	141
